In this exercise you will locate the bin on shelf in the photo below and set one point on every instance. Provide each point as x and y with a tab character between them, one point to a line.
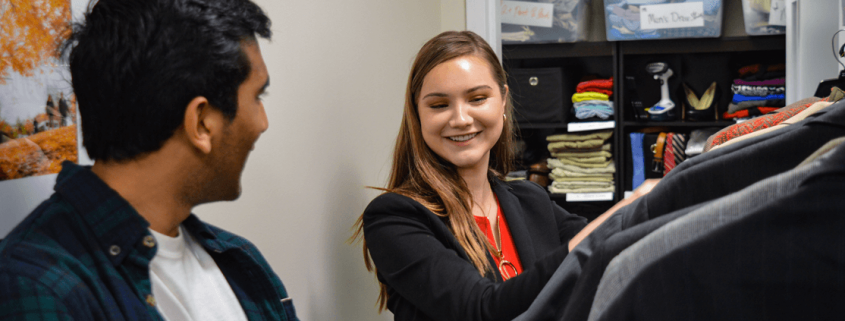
662	19
764	17
544	21
537	95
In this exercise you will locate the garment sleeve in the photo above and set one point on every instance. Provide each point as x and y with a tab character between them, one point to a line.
432	277
25	299
568	224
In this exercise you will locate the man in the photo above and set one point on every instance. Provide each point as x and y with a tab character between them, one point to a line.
64	110
169	92
51	112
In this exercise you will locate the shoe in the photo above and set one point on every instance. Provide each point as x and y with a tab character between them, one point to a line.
704	108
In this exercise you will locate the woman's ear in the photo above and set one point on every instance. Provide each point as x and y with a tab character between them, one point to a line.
201	122
505	97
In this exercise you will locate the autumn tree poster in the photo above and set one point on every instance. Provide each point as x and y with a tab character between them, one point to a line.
37	105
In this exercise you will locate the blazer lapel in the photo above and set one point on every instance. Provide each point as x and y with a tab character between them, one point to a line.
515	217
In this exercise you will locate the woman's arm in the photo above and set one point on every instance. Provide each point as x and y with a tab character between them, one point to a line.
643	189
416	258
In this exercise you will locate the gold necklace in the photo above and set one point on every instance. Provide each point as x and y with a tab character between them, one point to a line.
503	264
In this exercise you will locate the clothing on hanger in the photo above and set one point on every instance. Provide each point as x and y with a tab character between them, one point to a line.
760	123
586	283
794	119
773	250
696	183
750	112
720	172
774	118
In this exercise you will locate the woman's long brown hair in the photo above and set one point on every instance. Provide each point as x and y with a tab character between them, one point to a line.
425	177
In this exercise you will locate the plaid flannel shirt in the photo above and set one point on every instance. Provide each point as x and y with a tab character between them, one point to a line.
84	254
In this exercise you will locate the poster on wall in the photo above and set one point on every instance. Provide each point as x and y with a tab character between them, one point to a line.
37	105
38	111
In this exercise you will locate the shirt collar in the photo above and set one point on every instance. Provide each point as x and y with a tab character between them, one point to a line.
830	115
205	235
114	223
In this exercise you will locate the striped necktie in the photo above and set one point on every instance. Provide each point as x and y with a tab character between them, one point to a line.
674	153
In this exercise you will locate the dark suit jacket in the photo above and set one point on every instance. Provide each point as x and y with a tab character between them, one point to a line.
577	307
781	261
726	170
695	181
429	276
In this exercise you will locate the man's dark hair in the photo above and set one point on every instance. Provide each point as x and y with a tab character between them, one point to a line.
136	64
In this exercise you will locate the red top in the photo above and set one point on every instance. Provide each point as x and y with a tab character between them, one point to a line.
508	249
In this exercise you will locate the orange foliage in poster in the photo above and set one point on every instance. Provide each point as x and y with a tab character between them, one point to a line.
30	33
39	154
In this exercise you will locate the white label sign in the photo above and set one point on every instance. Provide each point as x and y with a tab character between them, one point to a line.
777	16
527	13
593	125
672	15
587	197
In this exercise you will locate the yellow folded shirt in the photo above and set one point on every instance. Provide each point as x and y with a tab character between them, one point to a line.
557	163
601	178
587	160
605	147
582	184
604	135
567	161
590	95
591	143
560	172
555	190
602	153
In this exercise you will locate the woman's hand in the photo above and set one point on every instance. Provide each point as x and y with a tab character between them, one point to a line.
643	189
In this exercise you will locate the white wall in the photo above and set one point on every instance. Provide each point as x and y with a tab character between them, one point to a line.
809	58
338	71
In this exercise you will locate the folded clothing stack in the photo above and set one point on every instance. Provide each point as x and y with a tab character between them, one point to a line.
758	89
581	163
592	99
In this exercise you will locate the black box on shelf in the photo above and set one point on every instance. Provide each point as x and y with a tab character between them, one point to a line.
537	95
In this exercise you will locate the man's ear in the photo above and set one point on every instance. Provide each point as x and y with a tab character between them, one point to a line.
201	123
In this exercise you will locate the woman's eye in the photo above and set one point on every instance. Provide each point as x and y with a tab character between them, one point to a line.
438	105
479	99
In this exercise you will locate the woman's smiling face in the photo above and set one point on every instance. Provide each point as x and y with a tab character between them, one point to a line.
461	111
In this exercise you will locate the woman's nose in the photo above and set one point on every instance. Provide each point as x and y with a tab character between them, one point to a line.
461	116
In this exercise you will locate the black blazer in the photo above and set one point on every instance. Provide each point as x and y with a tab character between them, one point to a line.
727	170
429	276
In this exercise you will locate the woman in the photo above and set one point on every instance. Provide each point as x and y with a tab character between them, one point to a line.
450	239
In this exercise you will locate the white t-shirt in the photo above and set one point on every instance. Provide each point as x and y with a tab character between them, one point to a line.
187	284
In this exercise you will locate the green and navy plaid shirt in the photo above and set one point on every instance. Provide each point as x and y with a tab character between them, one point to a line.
84	254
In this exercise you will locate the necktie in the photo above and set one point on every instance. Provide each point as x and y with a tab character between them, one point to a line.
674	153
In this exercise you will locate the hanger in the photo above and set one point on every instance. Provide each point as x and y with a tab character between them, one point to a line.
823	90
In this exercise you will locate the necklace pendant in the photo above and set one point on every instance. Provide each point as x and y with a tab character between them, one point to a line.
504	267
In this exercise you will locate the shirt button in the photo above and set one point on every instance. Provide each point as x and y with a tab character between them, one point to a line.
149	241
151	300
114	250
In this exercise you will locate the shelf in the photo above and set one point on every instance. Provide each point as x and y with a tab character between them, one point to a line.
592	125
703	45
558	50
563	197
720	123
536	126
